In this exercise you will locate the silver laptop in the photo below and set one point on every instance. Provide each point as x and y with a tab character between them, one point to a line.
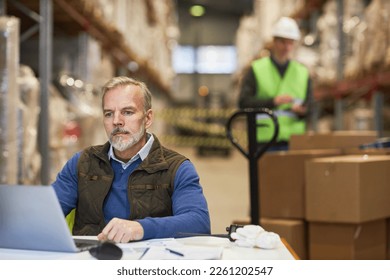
31	218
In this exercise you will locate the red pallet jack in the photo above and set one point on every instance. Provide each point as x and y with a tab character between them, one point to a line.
253	153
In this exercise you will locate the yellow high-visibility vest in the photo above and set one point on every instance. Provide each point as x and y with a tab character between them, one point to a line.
270	84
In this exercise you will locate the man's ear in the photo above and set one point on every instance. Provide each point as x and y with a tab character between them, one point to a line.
149	118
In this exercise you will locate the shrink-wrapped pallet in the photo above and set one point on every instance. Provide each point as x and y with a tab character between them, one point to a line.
9	67
354	28
150	29
376	41
29	109
328	49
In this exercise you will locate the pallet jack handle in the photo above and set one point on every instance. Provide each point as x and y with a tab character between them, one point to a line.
253	153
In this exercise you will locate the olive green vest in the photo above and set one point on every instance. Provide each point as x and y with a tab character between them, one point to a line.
150	186
271	84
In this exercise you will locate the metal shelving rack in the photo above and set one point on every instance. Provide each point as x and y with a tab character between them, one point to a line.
374	84
44	25
86	21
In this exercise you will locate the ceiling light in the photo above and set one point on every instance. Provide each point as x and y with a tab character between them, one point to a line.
197	11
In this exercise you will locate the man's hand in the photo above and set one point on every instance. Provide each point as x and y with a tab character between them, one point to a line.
121	231
299	109
283	99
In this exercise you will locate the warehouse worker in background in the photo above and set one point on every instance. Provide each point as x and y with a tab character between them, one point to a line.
131	187
280	84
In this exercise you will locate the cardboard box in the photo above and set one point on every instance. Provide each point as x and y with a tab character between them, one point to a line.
332	241
292	230
331	140
388	238
350	189
282	180
371	151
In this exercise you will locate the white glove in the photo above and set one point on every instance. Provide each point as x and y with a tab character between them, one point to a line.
268	240
254	235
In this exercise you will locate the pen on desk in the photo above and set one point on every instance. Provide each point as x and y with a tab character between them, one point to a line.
174	252
143	254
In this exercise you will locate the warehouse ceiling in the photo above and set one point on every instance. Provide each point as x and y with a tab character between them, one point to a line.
222	7
65	24
239	8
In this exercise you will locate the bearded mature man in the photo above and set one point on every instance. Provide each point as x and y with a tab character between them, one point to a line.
131	187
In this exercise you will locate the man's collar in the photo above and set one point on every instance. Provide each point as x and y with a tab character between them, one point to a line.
143	153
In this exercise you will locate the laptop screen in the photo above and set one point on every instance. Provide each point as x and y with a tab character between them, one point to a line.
31	218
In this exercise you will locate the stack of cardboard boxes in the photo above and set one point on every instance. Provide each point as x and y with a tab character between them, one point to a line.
326	197
282	193
347	203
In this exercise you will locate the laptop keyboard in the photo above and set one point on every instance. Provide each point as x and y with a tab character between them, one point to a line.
85	244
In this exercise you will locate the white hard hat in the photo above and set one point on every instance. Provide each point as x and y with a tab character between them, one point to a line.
286	28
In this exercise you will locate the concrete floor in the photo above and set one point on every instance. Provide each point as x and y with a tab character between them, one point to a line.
225	182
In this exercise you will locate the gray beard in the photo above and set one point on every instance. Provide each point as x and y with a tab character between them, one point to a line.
122	145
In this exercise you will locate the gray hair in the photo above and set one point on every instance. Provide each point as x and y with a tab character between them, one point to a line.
123	81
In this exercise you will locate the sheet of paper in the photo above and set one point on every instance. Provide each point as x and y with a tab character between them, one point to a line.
184	253
170	249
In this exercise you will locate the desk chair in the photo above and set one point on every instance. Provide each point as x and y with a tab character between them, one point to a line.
70	219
